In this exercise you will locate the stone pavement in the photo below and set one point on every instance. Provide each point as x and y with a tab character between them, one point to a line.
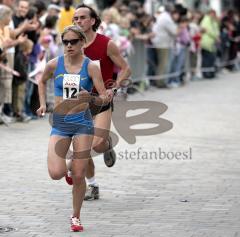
198	195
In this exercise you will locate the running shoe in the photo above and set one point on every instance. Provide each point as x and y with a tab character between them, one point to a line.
76	225
68	178
109	155
92	193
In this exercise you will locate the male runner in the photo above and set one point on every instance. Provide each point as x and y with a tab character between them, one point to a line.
104	51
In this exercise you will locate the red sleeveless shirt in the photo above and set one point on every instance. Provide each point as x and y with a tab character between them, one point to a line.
97	51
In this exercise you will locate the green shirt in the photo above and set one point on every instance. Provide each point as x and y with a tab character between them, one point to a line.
211	34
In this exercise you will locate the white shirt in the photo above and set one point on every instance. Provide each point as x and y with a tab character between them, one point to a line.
165	31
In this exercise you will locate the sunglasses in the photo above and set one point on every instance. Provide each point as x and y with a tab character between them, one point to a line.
72	42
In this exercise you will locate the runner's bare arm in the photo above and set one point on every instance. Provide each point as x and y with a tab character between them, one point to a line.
115	55
95	74
47	74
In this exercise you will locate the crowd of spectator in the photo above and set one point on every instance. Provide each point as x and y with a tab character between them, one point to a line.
174	42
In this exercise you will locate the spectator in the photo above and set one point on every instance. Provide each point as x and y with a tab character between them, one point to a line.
195	32
152	59
21	22
180	54
52	10
109	25
140	35
19	83
49	40
66	15
165	31
7	40
225	37
210	38
123	10
41	9
21	13
31	95
50	30
234	38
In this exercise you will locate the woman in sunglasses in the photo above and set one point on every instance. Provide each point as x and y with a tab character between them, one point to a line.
74	77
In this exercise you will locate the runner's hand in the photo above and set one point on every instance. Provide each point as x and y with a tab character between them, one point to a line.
110	94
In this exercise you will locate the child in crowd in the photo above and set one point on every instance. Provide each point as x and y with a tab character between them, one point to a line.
19	82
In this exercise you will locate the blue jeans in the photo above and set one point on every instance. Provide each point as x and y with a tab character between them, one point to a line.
177	66
28	93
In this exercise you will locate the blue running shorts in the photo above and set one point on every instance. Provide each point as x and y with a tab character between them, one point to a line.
72	124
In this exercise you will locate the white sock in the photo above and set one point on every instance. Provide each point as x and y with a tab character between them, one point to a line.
69	164
92	181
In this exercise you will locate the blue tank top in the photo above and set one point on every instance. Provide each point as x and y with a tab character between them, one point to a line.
68	85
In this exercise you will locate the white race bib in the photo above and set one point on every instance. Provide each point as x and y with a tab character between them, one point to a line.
71	85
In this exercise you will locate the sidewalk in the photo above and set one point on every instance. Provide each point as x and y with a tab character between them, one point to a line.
194	197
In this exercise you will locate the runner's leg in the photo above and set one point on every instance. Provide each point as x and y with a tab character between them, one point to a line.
102	141
57	150
100	144
102	121
82	148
